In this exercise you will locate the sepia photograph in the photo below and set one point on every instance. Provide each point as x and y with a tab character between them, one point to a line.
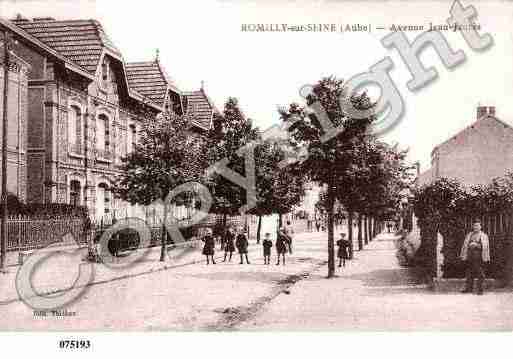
255	166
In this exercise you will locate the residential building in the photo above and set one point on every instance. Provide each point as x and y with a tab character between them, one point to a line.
83	110
475	155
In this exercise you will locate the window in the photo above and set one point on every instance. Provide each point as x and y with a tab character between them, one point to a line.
75	129
103	199
74	193
132	137
102	134
105	70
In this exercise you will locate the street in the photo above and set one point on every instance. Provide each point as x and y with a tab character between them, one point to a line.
371	293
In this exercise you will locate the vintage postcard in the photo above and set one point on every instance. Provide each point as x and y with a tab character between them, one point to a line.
257	166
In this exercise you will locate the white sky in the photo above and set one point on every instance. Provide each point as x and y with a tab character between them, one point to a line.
202	40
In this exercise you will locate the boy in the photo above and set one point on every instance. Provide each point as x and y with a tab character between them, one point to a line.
267	244
242	245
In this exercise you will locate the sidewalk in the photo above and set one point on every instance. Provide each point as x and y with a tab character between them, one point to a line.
374	293
59	272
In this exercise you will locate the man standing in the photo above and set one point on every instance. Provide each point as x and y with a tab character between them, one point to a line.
475	252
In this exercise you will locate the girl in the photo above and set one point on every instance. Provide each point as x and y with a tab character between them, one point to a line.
208	248
343	245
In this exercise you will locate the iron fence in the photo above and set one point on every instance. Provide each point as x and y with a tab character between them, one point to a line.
27	233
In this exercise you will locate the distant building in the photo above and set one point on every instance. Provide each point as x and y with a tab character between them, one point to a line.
475	155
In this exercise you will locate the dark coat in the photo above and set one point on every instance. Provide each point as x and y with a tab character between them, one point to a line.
242	243
267	244
343	246
228	242
282	243
208	248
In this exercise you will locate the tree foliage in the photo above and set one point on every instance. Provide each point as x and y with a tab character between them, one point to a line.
167	155
230	131
448	207
328	162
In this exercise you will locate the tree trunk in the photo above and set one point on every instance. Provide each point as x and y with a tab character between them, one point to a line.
365	230
350	216
331	241
223	233
360	237
259	227
370	229
163	238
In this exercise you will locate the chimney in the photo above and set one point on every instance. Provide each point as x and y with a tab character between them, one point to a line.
481	111
20	18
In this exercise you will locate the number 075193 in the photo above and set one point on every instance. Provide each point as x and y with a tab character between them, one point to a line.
74	344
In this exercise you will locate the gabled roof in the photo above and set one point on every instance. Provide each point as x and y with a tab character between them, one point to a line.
47	49
486	117
150	80
80	44
199	108
81	41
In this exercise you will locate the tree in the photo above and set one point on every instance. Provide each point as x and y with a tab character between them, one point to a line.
278	189
328	160
167	155
230	131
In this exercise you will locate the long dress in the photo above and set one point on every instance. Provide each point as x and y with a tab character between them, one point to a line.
208	248
343	245
242	244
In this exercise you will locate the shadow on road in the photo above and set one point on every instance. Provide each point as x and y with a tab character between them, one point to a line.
386	277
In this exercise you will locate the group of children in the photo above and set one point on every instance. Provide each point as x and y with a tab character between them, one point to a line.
283	245
231	241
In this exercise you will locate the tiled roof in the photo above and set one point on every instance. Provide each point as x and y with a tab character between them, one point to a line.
81	41
150	80
199	108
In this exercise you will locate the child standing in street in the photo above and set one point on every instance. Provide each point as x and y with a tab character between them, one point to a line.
229	246
343	245
208	247
242	245
267	244
282	244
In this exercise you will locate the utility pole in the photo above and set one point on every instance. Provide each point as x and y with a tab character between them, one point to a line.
3	226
